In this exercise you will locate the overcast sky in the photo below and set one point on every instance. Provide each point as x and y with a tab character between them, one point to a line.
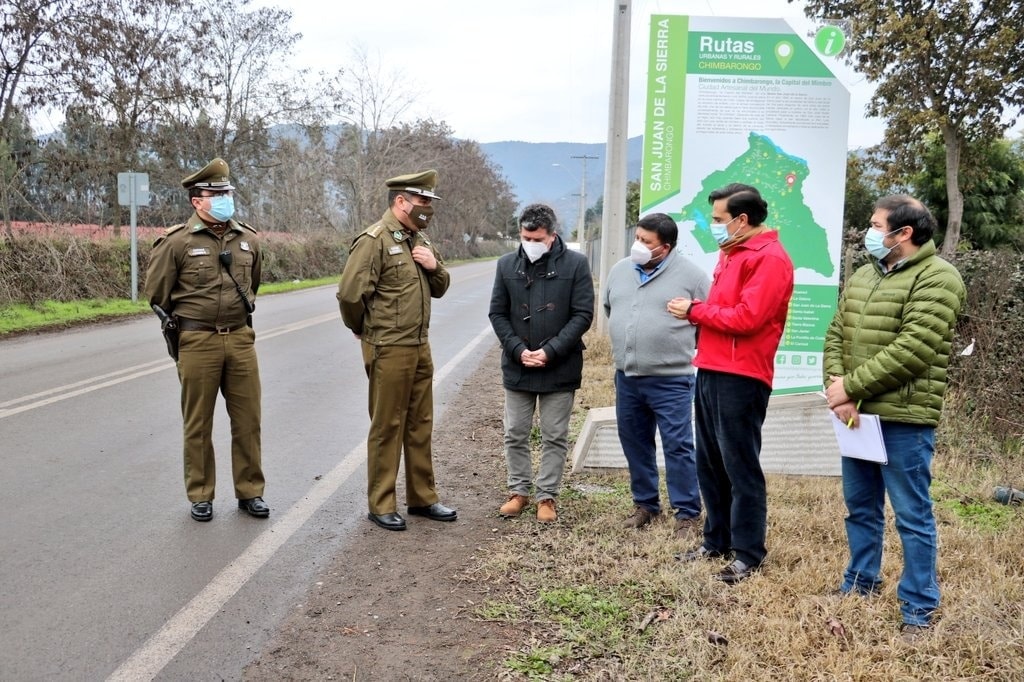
532	70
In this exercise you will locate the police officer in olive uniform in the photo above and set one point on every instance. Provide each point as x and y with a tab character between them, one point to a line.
205	273
392	272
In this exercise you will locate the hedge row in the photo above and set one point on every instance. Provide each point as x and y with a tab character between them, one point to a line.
67	268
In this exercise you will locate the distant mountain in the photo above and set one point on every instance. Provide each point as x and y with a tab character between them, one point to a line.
546	172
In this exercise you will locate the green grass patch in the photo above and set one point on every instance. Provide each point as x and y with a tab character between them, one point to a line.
539	662
592	621
498	611
986	515
55	314
296	284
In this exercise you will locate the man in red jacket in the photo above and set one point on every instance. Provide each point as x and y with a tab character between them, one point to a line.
739	328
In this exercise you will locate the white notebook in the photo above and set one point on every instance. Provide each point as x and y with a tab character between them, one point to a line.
862	442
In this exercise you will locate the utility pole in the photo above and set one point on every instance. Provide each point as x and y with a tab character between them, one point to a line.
613	222
581	226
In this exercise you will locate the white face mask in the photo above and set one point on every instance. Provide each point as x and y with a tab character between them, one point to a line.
534	250
640	254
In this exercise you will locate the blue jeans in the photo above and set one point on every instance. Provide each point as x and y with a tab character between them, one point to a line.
641	404
906	478
730	412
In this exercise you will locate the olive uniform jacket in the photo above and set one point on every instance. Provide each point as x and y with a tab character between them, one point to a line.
185	276
890	338
383	294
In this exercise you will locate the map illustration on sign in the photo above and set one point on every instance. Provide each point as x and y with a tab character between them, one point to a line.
779	177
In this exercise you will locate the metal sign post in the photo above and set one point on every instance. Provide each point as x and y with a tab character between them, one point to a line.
133	191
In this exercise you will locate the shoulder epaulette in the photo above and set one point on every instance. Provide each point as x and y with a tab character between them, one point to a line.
168	232
247	226
374	230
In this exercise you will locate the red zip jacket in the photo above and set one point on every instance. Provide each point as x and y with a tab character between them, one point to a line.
741	323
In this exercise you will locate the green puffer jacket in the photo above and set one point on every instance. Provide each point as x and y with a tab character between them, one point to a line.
891	335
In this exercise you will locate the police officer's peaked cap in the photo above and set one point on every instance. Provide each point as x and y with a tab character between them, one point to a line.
213	176
415	183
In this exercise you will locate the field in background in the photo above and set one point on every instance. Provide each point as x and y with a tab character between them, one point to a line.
600	602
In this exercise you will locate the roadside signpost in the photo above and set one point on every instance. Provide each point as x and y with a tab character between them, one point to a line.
133	191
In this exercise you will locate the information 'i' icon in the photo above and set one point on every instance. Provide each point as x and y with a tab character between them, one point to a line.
830	40
783	52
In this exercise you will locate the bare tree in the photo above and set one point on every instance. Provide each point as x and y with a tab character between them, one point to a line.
33	34
128	64
371	103
254	88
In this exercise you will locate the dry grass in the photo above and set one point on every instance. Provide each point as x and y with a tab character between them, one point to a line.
580	590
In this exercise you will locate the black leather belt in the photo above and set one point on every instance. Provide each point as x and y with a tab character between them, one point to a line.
187	325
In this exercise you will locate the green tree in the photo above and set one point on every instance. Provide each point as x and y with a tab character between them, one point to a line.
632	202
954	67
861	193
992	181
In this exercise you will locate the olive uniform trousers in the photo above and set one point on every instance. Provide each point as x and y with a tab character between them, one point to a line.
209	363
401	403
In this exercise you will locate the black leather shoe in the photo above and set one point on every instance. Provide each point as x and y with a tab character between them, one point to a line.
698	554
255	506
436	511
391	521
735	572
202	511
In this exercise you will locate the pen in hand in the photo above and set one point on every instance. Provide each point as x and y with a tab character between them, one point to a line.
849	424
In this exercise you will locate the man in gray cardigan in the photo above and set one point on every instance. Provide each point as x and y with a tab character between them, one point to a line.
654	373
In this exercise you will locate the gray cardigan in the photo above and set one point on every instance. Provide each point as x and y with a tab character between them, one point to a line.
646	339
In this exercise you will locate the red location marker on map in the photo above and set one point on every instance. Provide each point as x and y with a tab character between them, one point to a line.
790	179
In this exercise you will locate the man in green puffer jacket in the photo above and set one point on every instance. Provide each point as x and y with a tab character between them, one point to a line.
886	353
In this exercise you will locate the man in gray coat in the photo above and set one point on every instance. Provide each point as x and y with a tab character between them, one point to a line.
654	374
541	305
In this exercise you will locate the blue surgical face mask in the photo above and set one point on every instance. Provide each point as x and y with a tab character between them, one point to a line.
222	207
873	242
720	231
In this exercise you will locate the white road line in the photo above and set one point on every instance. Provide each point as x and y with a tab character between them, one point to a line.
56	395
83	382
148	660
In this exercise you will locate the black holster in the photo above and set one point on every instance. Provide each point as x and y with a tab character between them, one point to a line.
169	328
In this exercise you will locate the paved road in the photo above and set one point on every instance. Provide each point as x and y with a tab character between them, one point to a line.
102	572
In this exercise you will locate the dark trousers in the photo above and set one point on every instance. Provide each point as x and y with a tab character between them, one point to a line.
730	411
401	404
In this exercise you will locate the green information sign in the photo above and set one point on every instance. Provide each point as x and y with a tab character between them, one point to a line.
747	100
